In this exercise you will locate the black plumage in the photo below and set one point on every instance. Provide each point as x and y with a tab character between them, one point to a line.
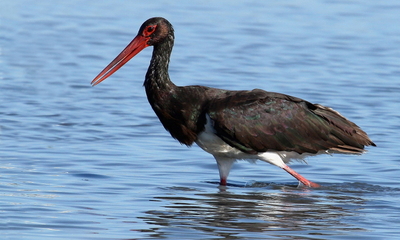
244	124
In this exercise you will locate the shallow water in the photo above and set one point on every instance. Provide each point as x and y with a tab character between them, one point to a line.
94	163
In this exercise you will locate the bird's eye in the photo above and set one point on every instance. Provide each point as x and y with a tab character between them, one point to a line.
149	30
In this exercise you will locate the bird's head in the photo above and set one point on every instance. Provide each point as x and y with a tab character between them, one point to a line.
152	32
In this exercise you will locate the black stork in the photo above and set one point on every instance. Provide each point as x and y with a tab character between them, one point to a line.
231	125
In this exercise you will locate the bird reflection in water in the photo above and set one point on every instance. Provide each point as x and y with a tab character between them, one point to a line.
289	212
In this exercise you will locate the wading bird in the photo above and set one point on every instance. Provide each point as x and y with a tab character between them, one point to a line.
232	125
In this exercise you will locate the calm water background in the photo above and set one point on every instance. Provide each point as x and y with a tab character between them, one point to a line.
79	162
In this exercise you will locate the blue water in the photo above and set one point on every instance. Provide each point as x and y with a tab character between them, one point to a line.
78	162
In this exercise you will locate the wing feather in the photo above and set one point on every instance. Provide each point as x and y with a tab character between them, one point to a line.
258	121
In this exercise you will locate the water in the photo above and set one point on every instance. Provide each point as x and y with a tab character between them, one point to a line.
94	163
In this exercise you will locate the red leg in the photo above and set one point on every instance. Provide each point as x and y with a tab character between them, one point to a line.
223	182
300	178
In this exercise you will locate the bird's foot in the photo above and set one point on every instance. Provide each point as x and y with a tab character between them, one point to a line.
302	179
309	184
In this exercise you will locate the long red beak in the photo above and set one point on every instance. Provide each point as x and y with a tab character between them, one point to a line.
133	48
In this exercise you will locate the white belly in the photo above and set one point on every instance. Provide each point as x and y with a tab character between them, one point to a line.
213	144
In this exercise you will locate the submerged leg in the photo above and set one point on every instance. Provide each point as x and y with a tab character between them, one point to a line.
224	167
302	179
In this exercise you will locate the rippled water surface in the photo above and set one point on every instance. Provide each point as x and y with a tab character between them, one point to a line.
79	162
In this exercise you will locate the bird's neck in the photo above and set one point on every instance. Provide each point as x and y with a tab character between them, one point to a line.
157	77
160	90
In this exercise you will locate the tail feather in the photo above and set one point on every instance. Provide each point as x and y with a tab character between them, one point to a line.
353	137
